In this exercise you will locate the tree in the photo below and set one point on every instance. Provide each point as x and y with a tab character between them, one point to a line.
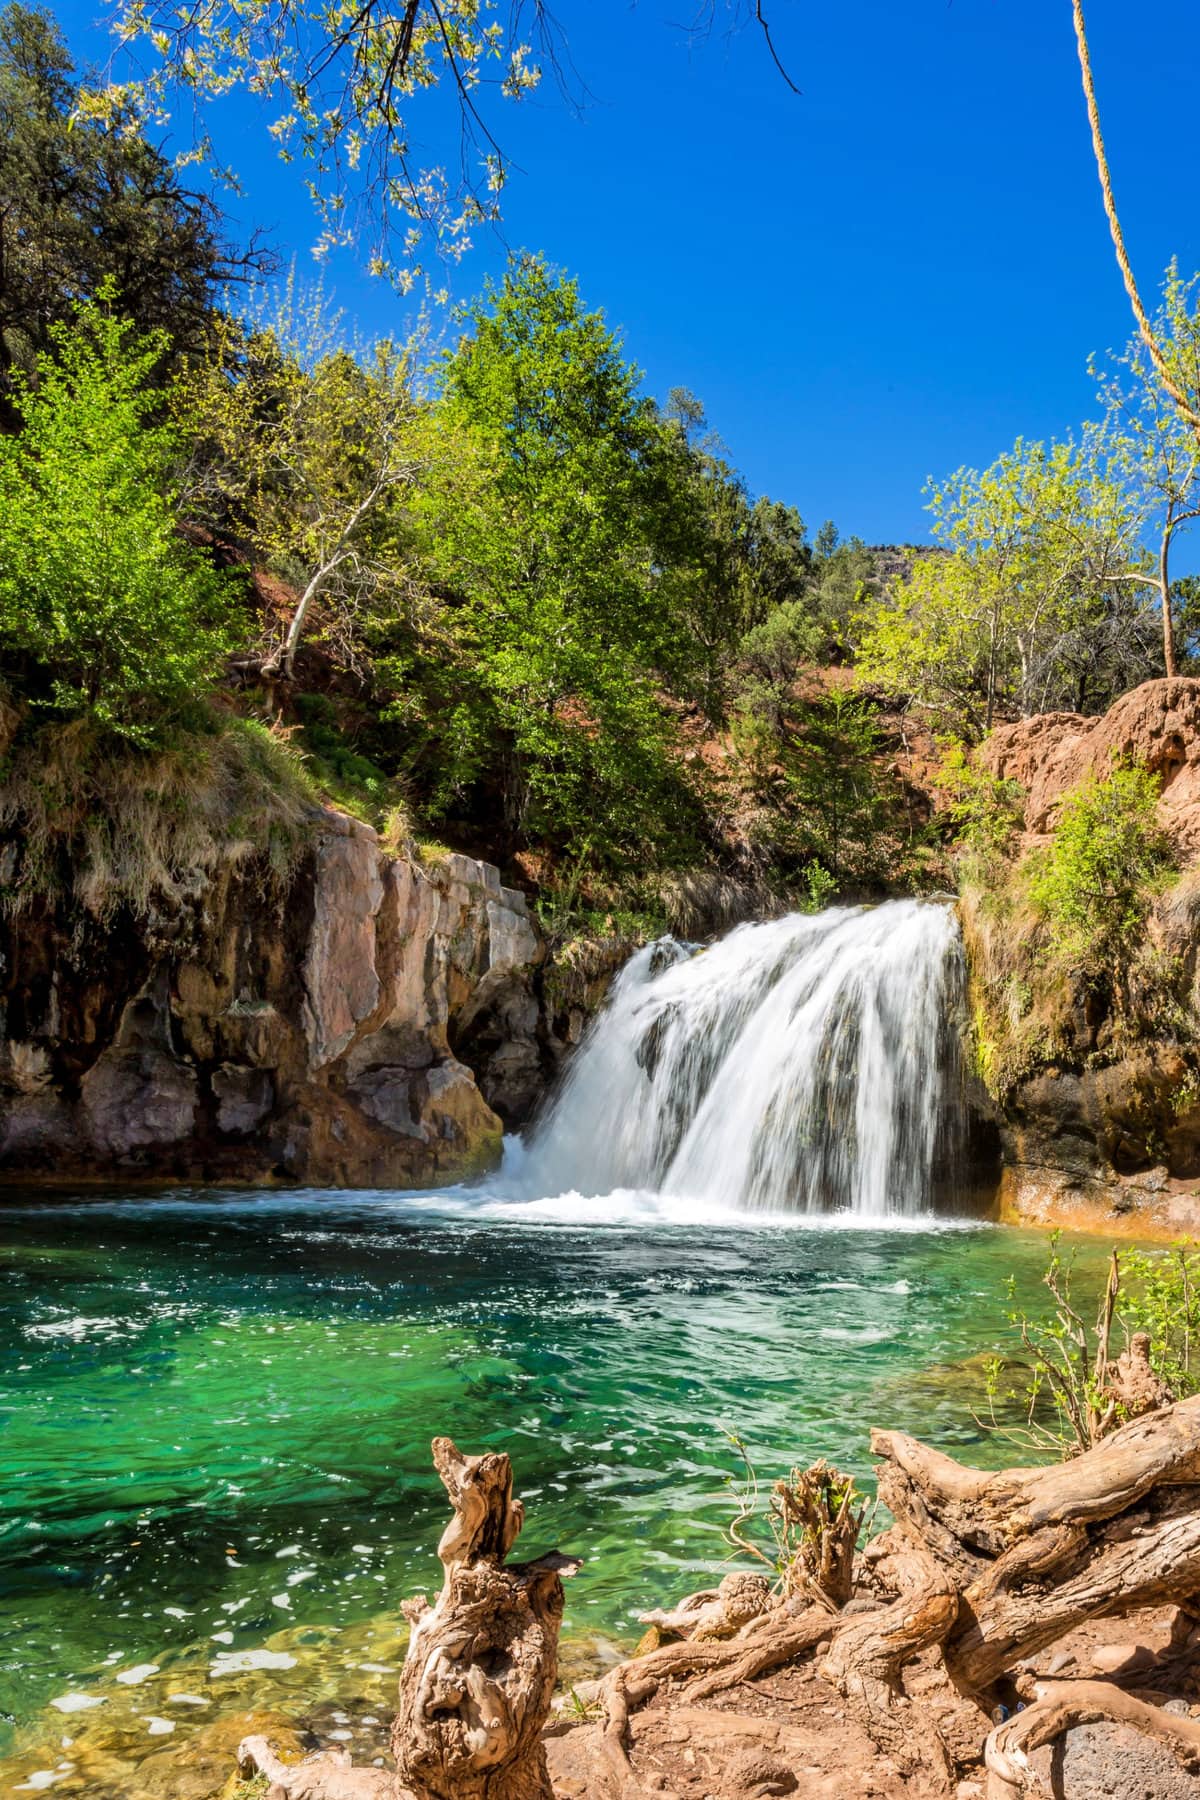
303	445
354	88
833	804
105	614
1031	604
535	677
351	89
1149	441
81	204
723	563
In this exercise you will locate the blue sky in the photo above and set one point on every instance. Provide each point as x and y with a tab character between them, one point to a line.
896	273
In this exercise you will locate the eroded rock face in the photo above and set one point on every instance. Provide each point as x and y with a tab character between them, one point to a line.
1157	724
375	1023
1105	1134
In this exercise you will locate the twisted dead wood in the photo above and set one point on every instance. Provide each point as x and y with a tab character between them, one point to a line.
476	1684
987	1510
1061	1706
1035	1552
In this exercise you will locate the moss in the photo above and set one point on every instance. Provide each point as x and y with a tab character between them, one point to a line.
247	1787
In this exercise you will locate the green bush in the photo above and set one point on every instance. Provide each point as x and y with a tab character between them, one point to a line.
1095	882
985	810
106	615
1059	1389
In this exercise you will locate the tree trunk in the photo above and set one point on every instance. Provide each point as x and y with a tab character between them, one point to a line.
1164	588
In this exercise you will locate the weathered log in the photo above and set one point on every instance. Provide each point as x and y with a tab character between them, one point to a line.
477	1681
988	1510
1146	1560
1058	1708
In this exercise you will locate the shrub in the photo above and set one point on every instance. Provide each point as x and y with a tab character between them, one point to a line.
1063	1390
985	810
106	615
1094	884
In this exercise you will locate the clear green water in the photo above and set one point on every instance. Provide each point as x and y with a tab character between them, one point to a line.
215	1411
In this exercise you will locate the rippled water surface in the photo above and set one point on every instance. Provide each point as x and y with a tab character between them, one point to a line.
216	1410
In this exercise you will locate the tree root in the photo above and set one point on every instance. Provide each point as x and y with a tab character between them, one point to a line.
1143	1560
1063	1705
766	1643
329	1776
867	1654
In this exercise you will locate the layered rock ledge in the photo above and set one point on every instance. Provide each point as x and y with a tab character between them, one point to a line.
375	1021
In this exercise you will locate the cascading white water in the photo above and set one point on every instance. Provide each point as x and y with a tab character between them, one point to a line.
796	1065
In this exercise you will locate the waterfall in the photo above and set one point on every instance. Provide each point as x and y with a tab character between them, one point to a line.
804	1064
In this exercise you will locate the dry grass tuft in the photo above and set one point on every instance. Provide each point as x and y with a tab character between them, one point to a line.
703	903
108	828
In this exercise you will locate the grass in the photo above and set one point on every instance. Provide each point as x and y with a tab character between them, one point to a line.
107	827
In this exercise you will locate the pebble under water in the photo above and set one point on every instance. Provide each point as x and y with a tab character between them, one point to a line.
217	1410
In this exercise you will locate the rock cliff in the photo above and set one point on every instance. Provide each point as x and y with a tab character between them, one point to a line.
1100	1115
370	1022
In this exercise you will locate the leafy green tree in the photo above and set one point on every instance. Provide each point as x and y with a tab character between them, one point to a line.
536	676
770	660
722	563
1029	606
303	448
106	615
845	577
83	204
833	803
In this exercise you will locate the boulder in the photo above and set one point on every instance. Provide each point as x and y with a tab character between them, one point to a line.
1157	724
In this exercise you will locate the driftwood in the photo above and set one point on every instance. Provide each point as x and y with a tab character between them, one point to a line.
986	1510
477	1681
980	1571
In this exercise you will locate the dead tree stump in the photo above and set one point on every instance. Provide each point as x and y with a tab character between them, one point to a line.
477	1681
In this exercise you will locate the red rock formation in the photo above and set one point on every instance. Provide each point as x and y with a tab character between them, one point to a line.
1157	724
